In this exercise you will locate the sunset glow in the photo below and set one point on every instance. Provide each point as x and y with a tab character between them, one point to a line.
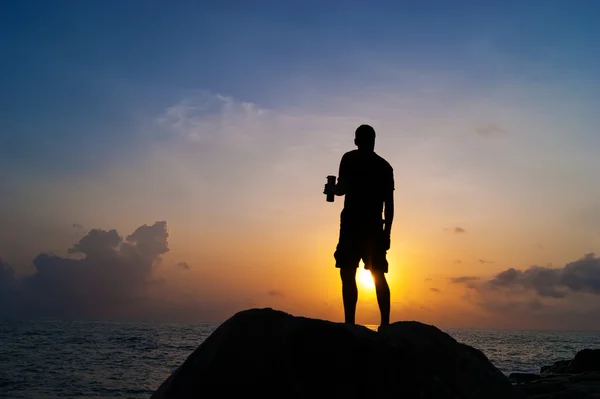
171	167
365	278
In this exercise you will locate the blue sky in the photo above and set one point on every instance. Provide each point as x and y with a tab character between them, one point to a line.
118	114
112	60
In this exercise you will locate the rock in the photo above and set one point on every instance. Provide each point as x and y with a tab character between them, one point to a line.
586	360
544	387
575	386
559	367
270	354
578	378
464	370
519	378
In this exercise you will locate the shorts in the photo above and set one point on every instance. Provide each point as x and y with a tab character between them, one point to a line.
366	244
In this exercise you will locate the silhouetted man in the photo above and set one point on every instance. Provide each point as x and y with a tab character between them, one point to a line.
367	181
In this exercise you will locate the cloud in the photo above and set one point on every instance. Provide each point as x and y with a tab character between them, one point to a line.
202	117
458	261
206	139
77	226
541	296
183	265
580	276
484	261
7	288
436	290
7	274
463	279
275	293
104	275
489	130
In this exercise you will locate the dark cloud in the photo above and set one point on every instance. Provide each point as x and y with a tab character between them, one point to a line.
7	277
104	275
436	290
458	261
77	226
183	265
427	279
582	275
8	285
484	261
463	279
542	296
275	293
489	130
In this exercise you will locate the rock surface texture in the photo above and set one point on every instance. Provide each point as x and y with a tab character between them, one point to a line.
566	379
270	354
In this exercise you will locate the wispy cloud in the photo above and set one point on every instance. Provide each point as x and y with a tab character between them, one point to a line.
275	293
183	265
463	279
456	230
436	290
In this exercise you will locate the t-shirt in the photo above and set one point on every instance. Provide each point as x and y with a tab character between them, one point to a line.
369	179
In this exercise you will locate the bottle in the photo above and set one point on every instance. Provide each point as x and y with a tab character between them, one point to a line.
330	188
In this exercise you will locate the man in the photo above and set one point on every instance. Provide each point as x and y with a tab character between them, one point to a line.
367	181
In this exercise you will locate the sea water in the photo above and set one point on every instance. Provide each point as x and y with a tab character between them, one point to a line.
75	359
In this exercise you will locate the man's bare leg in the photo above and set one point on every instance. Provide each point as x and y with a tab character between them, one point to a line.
383	296
349	293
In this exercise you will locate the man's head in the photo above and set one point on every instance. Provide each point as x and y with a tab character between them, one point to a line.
364	138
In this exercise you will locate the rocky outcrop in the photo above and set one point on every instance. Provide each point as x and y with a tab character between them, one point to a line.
267	353
585	361
578	378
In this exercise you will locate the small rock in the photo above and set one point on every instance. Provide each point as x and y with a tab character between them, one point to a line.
559	367
520	378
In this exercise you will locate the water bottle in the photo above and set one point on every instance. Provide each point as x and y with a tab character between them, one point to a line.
330	188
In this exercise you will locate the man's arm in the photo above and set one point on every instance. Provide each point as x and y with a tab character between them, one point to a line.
388	212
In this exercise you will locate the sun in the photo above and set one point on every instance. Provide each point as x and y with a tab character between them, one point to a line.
365	278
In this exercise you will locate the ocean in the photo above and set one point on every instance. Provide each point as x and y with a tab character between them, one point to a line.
72	359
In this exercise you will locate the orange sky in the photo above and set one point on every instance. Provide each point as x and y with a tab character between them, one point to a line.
241	191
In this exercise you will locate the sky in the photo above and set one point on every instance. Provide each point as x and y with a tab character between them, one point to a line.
166	161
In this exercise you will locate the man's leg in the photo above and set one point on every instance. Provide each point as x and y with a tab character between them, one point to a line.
383	295
349	293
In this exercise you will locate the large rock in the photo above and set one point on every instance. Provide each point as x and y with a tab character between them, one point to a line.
565	379
266	353
585	361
